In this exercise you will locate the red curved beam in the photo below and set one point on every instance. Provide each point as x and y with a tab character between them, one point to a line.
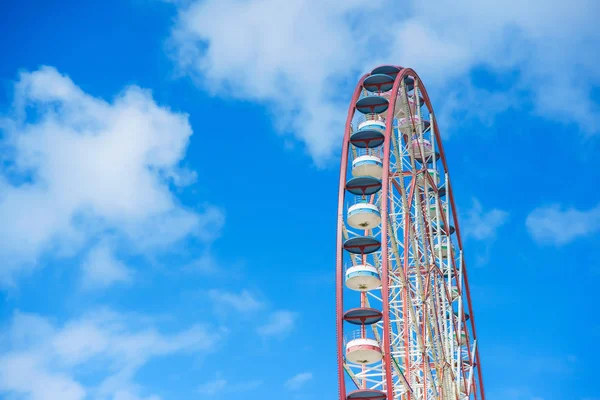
384	238
385	279
339	276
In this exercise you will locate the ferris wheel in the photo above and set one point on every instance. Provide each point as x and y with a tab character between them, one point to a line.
405	324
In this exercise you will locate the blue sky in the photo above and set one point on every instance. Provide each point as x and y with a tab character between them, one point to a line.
162	161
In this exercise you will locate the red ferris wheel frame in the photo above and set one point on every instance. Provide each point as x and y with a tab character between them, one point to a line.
401	75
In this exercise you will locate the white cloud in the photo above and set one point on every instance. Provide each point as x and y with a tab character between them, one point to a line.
211	388
21	374
558	226
220	386
279	323
302	58
42	360
101	269
206	263
247	386
212	265
78	168
296	382
242	302
480	224
127	395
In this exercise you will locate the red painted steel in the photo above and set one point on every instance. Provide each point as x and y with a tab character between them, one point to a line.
385	290
339	276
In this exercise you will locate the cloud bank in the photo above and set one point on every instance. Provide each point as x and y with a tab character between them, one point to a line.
301	58
43	360
80	171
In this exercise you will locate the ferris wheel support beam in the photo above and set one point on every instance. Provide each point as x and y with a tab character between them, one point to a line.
385	291
408	235
408	301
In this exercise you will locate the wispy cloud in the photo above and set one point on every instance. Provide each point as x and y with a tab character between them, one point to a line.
211	388
558	226
101	269
298	381
482	225
206	263
43	360
243	301
279	324
220	386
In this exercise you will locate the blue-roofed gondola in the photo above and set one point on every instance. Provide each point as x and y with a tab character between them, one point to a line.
363	316
378	83
372	105
363	185
366	394
362	245
370	134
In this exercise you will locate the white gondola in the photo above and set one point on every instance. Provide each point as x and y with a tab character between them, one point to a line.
442	246
401	103
454	293
463	338
433	211
422	178
418	147
407	123
367	165
363	216
374	124
363	351
363	278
